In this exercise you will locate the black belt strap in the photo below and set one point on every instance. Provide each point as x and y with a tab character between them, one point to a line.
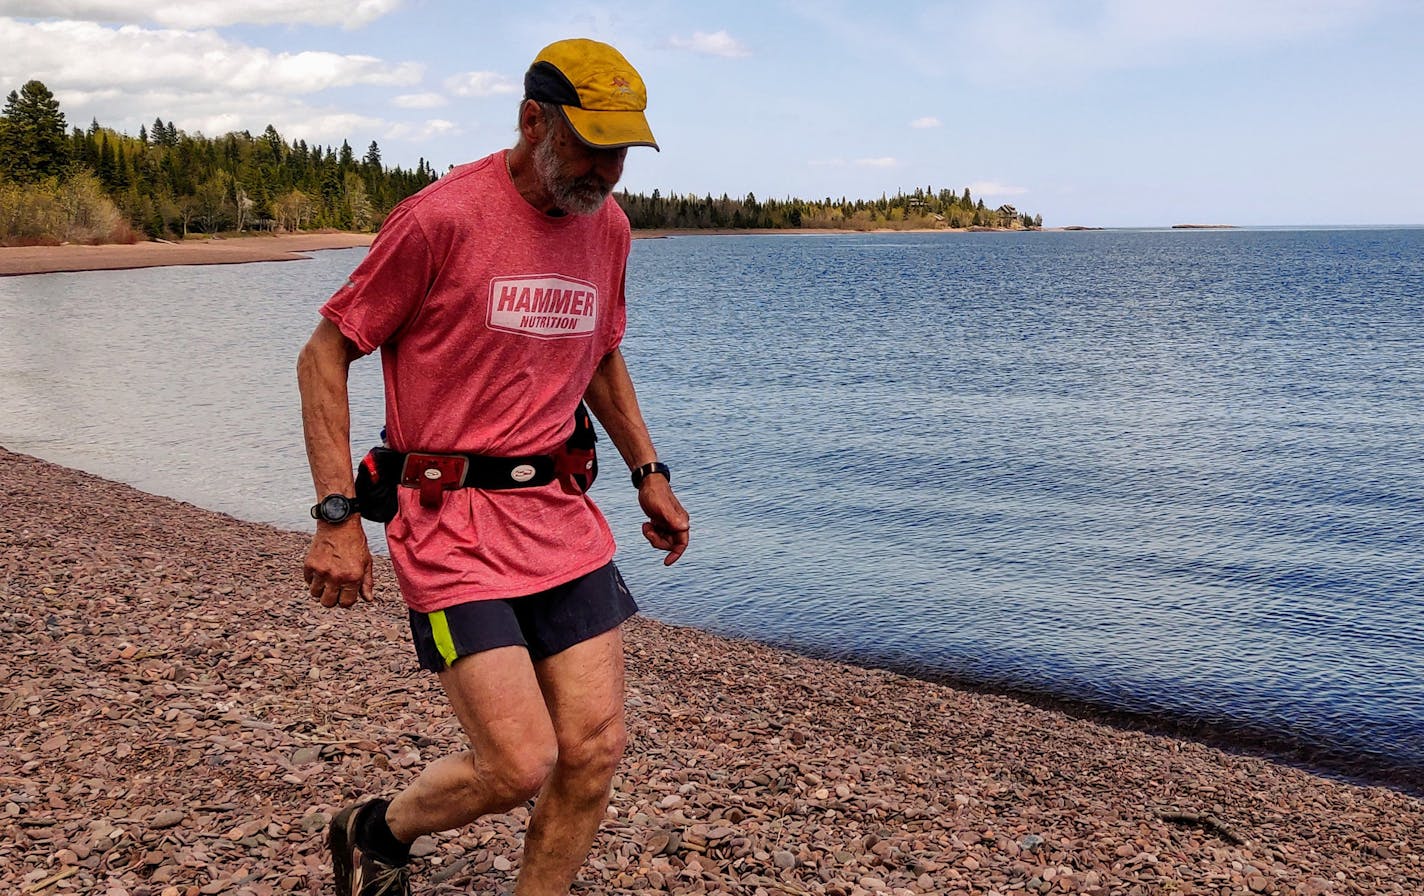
509	472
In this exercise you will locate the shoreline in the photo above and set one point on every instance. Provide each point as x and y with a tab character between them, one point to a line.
180	716
71	258
658	233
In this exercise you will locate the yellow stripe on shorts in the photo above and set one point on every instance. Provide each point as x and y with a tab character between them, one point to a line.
440	629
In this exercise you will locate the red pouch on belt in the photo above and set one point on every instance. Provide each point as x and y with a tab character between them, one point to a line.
433	474
578	462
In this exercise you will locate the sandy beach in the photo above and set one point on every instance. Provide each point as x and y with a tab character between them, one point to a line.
179	719
56	259
290	247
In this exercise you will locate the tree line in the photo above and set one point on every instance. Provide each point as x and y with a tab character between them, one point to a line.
923	209
96	185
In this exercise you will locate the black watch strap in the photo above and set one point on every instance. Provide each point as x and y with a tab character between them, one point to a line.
647	470
335	509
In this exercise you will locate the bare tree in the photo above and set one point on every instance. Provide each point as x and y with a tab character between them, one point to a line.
242	205
292	211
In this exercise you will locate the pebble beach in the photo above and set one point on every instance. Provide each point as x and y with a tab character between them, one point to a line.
181	719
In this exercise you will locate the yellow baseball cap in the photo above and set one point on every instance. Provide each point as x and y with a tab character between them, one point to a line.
602	95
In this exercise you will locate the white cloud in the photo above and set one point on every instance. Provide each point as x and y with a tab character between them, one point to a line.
416	133
193	112
209	13
203	82
216	112
929	121
986	188
480	84
419	101
718	43
882	162
1047	37
1030	41
85	55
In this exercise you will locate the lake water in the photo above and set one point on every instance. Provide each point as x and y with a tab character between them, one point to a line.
1175	474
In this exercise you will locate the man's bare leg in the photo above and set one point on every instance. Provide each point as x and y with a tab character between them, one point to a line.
583	689
496	696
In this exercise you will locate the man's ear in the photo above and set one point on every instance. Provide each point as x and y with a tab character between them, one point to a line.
531	122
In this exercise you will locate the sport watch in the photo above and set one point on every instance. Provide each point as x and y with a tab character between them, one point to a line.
647	470
334	509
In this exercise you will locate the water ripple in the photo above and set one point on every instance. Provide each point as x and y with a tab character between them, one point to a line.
1173	474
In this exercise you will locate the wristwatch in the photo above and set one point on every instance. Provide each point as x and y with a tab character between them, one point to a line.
334	509
647	470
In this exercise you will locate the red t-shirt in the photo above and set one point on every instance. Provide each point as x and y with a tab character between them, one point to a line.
491	318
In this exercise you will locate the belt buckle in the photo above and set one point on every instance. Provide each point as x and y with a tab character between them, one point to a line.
433	474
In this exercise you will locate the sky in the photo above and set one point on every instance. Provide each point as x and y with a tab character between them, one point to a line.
1107	113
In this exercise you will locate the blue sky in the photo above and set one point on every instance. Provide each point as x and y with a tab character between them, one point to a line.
1092	112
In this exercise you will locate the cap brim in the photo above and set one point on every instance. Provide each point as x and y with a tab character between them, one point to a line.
610	130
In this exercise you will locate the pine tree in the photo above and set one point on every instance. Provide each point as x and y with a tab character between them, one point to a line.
106	163
276	149
33	141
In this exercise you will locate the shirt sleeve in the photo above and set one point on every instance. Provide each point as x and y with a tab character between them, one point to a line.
618	314
388	287
620	244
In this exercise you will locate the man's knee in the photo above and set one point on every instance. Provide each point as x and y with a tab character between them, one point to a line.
515	775
595	754
523	771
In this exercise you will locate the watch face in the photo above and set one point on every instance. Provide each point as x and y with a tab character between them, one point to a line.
335	508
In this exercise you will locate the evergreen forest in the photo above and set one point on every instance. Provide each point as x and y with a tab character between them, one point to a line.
97	185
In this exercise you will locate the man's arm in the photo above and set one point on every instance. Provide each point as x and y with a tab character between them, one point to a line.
613	401
338	564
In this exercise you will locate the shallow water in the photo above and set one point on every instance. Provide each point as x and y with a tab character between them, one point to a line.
1170	473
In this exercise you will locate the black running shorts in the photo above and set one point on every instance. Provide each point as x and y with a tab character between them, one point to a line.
546	623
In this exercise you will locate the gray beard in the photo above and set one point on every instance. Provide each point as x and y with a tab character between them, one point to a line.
579	195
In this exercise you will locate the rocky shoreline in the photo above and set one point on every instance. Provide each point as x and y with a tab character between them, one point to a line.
179	720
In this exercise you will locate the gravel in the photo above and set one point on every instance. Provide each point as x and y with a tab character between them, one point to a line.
180	719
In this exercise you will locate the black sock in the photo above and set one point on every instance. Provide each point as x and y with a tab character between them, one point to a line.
374	835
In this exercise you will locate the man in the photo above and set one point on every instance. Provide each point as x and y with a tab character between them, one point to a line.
496	298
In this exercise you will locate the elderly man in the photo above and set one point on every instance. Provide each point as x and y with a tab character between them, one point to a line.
496	299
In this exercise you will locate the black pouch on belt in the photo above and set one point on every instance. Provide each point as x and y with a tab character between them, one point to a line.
377	478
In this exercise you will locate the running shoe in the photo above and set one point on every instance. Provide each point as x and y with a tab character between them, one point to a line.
358	872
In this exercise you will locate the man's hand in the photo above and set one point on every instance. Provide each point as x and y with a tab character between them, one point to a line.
667	525
338	565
